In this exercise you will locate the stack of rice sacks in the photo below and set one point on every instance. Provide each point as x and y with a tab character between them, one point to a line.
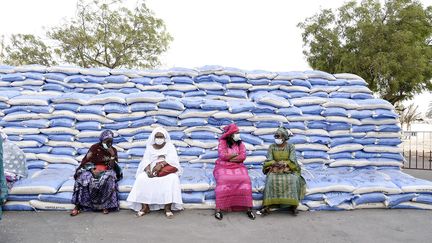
347	141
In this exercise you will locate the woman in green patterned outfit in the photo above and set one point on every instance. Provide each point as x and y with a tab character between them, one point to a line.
3	188
285	187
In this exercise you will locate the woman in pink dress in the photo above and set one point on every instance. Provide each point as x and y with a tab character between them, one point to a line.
233	185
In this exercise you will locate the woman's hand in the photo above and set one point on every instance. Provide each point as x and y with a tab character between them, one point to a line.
158	167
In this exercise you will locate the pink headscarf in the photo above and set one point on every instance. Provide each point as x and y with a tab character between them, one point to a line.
229	130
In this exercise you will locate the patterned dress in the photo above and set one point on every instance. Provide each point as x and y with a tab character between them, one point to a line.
92	193
3	187
233	185
283	189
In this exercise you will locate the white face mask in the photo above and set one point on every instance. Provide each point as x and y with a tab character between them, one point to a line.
279	141
236	137
159	141
104	145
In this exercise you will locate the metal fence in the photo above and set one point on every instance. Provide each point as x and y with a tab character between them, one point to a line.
417	149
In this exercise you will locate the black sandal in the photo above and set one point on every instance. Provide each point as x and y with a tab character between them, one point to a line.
251	215
264	212
294	211
219	215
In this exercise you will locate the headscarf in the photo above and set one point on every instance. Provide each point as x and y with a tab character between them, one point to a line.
106	134
151	153
229	130
284	132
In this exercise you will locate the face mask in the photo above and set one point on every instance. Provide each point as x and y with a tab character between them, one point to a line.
279	141
236	137
104	145
159	141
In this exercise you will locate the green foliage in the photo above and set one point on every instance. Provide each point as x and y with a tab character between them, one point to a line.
26	49
103	33
390	46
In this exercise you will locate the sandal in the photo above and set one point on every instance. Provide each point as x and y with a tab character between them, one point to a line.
169	214
219	215
75	212
294	211
143	212
264	212
251	215
105	211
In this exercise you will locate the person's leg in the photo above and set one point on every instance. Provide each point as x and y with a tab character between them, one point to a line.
145	209
294	210
168	212
218	214
75	211
250	214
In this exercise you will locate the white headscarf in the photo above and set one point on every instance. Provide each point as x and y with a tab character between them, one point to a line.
151	154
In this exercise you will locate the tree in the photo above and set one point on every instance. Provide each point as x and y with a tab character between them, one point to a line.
103	33
27	49
390	46
408	115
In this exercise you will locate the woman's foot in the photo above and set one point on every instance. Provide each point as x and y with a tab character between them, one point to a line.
294	211
264	212
144	210
169	214
250	215
75	212
218	215
105	211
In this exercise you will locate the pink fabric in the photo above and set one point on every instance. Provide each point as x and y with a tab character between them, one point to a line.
233	185
229	130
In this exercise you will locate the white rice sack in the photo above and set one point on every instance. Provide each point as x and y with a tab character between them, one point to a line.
290	75
210	86
305	117
40	205
165	112
20	130
154	73
344	119
133	131
95	71
178	143
267	117
259	74
274	100
264	87
304	101
183	87
323	88
29	100
103	99
149	96
265	131
68	144
119	85
122	116
230	71
191	113
249	146
31	156
382	149
92	117
342	103
311	132
311	146
247	129
150	88
59	130
27	82
20	116
237	116
88	86
57	159
347	76
372	104
355	89
242	86
349	162
203	128
377	205
319	74
28	144
294	88
210	144
349	147
130	145
314	160
372	121
414	205
88	134
179	71
383	135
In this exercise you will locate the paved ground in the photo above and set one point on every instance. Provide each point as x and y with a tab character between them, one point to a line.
195	226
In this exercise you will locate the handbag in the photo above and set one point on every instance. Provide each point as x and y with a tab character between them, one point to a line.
166	170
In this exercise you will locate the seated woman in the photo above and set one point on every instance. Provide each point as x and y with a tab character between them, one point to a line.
285	187
157	183
96	178
233	185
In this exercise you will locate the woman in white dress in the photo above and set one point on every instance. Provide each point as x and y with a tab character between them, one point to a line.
157	184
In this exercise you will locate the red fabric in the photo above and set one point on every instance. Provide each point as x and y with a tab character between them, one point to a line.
233	186
98	155
166	170
101	167
229	130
